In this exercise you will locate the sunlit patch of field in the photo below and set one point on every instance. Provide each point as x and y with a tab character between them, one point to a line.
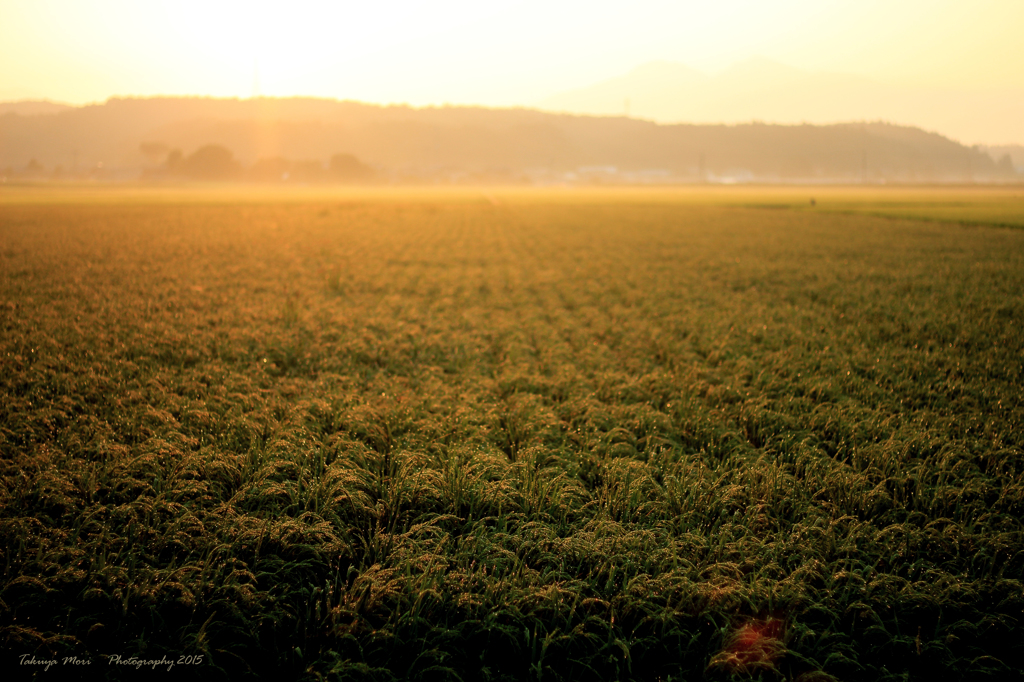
968	206
965	205
503	434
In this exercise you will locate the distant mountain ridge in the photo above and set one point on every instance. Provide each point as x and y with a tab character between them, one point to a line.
763	90
33	107
125	137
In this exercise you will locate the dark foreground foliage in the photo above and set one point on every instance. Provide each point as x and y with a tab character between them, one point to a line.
401	441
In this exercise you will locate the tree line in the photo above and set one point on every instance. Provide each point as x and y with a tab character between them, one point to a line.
215	162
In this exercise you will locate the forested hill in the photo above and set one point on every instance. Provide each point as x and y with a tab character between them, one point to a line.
132	137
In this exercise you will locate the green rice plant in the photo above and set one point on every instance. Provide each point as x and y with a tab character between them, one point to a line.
585	438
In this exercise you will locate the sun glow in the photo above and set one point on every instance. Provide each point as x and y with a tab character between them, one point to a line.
485	52
512	53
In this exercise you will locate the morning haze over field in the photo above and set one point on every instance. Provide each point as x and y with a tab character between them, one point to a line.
937	66
512	341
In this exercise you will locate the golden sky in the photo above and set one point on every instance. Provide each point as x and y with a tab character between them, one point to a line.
489	53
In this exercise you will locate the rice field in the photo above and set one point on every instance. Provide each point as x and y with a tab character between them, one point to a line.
673	434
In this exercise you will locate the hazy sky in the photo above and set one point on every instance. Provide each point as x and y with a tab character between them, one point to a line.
492	53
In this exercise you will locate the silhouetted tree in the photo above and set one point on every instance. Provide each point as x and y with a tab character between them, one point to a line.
1005	165
348	167
173	160
211	162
